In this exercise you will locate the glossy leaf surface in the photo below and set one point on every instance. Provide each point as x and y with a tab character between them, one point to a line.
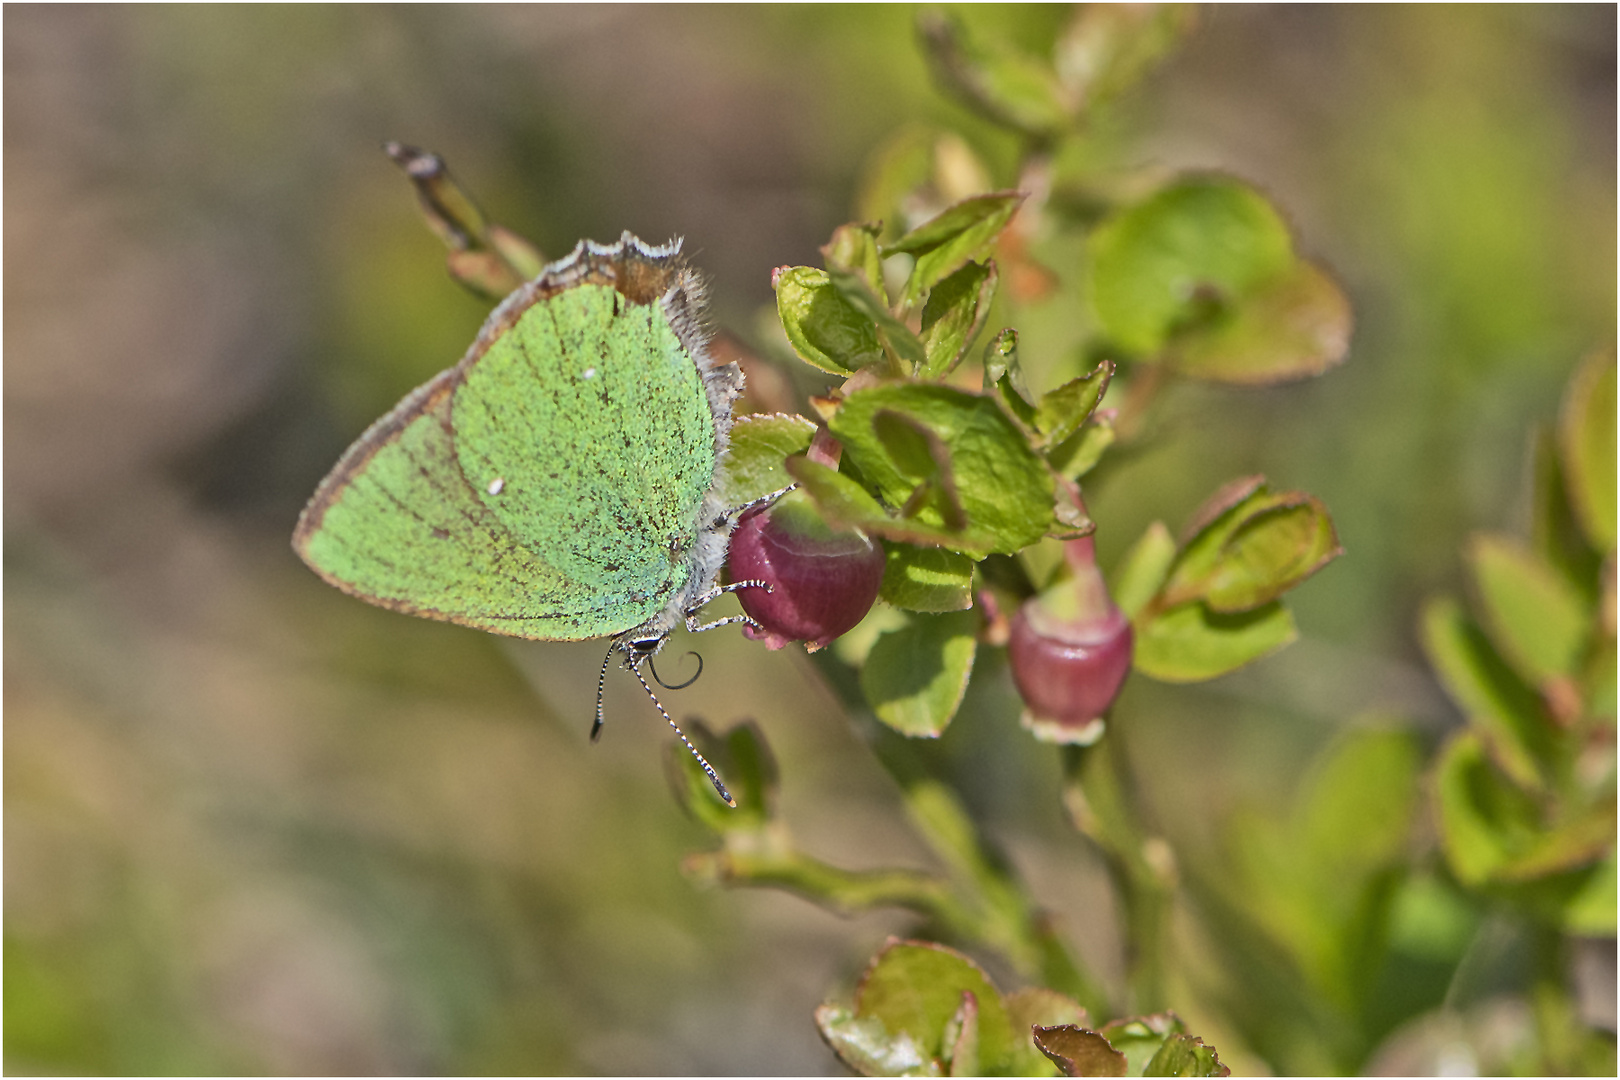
1002	487
761	443
1294	326
1199	241
822	327
915	676
954	315
1191	643
945	244
927	578
1537	618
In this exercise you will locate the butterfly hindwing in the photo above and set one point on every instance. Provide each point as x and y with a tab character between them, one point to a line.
396	524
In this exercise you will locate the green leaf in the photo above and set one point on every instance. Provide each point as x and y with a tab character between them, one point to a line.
1141	1037
1080	452
921	456
914	677
916	988
1211	524
1229	495
1157	264
1191	643
868	1047
1485	819
1002	486
895	335
916	172
1037	1007
1143	569
926	578
1079	1052
1586	436
954	315
1005	378
1355	815
961	1039
962	233
844	503
1317	882
1507	714
1589	906
1493	836
1555	533
841	499
1185	1055
1576	840
1070	521
1015	91
901	165
761	443
1252	545
1273	550
1534	615
1291	327
854	247
1109	47
822	327
1062	411
744	761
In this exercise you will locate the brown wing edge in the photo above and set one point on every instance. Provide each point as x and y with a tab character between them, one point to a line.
425	398
644	274
430	397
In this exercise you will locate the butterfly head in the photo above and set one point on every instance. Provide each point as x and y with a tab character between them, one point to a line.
642	647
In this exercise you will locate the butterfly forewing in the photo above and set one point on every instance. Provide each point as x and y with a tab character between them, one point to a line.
587	428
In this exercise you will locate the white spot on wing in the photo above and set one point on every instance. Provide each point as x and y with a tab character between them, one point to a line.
590	373
495	485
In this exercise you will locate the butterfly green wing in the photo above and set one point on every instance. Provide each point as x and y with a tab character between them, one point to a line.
547	487
396	524
589	419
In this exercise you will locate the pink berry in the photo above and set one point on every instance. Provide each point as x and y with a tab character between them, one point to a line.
1070	650
823	581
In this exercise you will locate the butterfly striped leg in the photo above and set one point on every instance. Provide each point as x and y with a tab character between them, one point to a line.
736	512
692	624
725	521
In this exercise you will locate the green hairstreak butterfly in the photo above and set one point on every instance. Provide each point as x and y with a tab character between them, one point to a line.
560	482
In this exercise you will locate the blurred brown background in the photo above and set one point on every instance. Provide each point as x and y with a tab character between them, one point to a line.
254	825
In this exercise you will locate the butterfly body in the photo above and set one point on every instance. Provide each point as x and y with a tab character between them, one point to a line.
559	483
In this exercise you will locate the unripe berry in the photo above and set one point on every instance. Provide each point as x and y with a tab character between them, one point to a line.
1070	650
823	580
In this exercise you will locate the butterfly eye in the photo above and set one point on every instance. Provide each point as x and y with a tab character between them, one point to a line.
646	646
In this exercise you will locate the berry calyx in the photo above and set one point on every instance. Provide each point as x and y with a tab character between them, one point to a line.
823	580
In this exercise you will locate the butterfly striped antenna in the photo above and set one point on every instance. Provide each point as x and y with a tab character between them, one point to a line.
714	777
601	687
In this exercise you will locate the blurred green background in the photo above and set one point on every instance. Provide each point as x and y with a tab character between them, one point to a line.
252	825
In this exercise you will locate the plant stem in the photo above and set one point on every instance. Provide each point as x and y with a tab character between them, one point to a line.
1100	800
1000	912
846	892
